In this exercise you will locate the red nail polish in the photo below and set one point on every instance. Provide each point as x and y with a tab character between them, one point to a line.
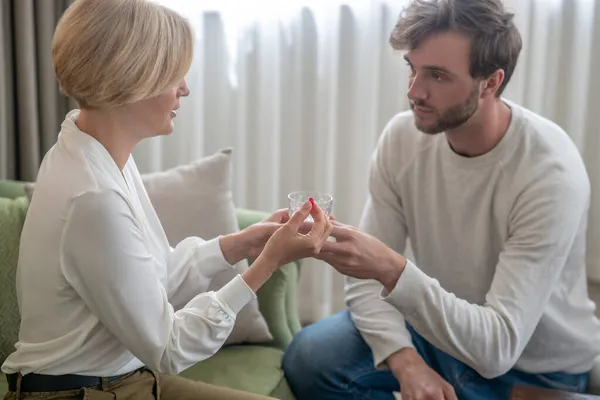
312	202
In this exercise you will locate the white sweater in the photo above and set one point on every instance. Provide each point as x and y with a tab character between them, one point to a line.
498	278
100	290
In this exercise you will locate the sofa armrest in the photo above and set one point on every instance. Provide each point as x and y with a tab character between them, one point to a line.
12	189
276	298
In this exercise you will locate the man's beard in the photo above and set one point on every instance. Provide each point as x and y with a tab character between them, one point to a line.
453	117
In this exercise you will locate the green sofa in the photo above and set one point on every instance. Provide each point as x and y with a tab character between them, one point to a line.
250	367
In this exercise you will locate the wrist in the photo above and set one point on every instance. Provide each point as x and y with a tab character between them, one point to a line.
258	273
266	264
404	360
234	247
389	276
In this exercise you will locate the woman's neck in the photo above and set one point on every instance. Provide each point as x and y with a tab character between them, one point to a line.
113	130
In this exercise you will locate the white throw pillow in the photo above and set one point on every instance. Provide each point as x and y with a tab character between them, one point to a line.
196	200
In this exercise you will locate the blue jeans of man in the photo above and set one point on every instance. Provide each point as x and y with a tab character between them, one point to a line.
330	360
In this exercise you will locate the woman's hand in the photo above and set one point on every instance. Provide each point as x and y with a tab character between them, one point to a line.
289	243
254	237
257	235
249	242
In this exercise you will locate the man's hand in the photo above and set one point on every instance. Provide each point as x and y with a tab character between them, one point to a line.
362	256
417	380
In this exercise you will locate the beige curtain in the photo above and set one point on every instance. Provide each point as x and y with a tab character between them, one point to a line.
31	107
303	96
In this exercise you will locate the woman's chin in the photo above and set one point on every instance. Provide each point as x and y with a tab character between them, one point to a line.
167	130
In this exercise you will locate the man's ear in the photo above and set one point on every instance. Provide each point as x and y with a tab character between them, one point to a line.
492	83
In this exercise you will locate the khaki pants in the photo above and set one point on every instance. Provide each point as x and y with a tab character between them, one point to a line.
143	385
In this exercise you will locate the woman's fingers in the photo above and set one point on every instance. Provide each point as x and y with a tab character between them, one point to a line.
320	222
299	216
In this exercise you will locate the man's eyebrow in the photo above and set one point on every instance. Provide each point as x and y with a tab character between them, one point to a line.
435	68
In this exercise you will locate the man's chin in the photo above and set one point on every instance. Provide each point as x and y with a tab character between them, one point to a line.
430	129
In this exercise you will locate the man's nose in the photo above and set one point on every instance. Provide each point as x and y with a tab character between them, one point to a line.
416	89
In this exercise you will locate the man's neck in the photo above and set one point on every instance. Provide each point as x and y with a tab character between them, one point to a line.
112	130
482	132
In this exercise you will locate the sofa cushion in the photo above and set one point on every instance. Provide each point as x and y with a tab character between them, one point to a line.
250	368
11	189
12	216
283	391
3	384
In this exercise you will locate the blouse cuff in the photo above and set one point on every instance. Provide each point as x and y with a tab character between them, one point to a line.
235	294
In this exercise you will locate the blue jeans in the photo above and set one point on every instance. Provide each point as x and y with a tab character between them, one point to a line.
330	360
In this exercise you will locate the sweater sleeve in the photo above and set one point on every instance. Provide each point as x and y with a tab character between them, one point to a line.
544	222
106	261
380	324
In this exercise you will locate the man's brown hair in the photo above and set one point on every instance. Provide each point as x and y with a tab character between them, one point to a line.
495	40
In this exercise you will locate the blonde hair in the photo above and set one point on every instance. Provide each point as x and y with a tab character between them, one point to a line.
109	53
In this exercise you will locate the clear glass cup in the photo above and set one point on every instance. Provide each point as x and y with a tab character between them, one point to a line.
297	199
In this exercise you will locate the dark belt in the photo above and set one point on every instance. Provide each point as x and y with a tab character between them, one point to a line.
56	383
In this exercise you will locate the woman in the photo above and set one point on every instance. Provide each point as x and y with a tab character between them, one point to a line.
108	309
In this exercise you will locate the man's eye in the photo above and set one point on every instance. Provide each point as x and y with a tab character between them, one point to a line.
437	76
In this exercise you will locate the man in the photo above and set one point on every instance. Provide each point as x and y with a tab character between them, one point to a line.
494	199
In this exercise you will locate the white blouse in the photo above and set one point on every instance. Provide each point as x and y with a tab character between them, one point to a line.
100	290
